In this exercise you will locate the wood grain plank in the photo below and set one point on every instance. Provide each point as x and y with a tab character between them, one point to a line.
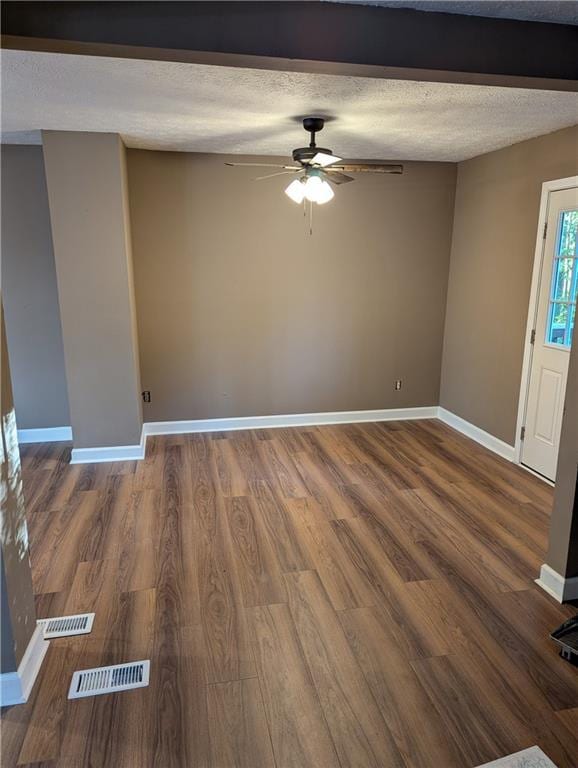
299	733
466	533
415	634
359	732
221	604
398	692
231	480
570	718
328	494
381	517
44	732
101	540
342	582
239	733
54	565
260	578
400	474
480	731
280	527
322	451
281	467
486	661
178	711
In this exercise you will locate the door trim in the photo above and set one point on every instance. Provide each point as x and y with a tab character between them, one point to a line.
547	187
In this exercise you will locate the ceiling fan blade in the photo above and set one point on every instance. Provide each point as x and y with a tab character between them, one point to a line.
337	177
264	165
367	168
279	173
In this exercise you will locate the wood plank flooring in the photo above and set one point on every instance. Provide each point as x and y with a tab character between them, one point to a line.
357	595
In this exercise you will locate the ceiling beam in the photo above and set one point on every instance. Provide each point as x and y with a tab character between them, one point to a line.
360	40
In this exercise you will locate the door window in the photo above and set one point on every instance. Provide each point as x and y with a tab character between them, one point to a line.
563	288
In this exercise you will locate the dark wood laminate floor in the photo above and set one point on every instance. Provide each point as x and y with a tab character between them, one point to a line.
357	595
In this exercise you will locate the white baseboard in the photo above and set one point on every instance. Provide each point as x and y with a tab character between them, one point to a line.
132	452
109	453
135	452
289	420
45	435
479	435
15	687
558	587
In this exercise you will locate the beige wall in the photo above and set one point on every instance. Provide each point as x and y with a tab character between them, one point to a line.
30	292
495	221
86	181
241	312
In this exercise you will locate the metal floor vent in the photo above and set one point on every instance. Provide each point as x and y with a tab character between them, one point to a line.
119	677
64	626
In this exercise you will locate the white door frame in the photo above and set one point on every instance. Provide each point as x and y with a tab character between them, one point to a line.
547	188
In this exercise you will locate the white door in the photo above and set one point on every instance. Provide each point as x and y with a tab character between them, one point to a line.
552	334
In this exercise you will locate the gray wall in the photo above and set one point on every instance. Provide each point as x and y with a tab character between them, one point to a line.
241	312
7	654
494	236
86	180
30	292
563	546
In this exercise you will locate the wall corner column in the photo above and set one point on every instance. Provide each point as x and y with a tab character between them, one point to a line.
88	199
22	642
559	574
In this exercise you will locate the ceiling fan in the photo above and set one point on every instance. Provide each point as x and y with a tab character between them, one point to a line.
316	167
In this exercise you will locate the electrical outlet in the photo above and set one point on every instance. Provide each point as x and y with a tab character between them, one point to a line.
146	396
397	385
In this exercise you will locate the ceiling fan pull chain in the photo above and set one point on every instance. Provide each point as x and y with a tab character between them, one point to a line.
310	217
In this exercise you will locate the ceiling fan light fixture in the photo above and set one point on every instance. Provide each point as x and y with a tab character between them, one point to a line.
296	190
325	193
317	190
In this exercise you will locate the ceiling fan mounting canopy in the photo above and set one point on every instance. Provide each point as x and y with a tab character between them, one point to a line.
304	155
313	124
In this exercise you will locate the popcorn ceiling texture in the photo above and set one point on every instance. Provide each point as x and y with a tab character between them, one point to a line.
549	11
199	108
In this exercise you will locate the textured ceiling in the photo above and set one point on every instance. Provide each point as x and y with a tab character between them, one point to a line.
189	107
551	11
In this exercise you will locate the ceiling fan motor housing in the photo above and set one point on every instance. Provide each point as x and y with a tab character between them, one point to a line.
304	155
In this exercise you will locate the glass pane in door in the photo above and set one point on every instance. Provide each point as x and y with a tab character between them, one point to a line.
564	282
